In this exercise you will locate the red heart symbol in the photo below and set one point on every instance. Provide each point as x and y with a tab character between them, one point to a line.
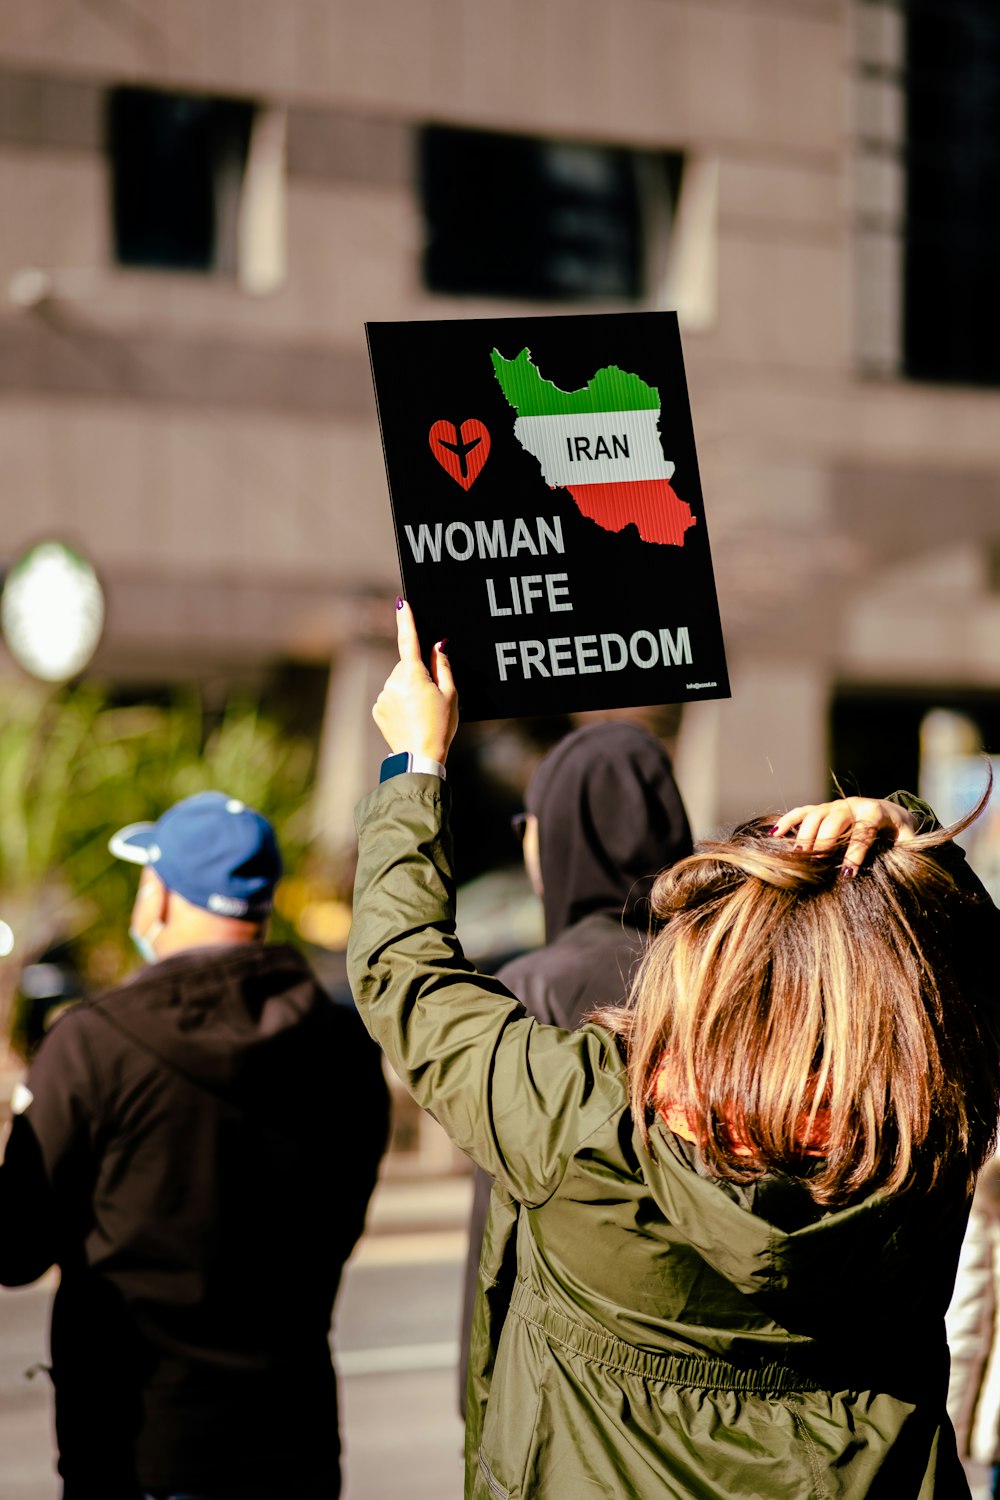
461	452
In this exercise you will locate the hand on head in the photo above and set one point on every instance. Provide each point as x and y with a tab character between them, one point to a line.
818	825
417	710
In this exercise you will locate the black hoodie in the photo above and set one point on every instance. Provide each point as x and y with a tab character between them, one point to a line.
197	1158
610	818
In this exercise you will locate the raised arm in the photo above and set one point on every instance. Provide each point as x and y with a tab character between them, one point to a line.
516	1096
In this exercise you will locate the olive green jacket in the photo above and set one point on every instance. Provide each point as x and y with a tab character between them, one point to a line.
667	1336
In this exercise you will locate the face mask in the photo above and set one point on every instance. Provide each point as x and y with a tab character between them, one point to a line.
144	942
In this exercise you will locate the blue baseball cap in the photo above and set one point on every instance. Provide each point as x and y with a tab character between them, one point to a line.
211	849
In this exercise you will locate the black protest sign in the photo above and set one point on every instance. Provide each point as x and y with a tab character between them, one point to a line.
548	511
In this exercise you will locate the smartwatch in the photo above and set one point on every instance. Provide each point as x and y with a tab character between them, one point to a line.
405	760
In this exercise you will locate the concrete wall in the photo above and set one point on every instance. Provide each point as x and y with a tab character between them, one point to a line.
218	452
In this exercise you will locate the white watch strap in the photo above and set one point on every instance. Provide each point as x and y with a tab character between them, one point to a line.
428	766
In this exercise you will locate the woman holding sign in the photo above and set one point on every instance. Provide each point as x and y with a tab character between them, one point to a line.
741	1200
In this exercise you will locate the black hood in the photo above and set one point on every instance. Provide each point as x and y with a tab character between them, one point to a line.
223	1017
610	818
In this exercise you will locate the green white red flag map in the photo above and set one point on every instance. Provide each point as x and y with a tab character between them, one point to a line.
602	444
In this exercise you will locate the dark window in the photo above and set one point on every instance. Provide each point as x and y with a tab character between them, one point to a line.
512	216
875	732
177	164
952	285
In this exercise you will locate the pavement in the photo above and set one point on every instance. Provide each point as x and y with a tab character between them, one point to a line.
396	1349
396	1340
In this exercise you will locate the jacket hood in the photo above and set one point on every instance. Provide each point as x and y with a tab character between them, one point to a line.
810	1269
610	818
218	1015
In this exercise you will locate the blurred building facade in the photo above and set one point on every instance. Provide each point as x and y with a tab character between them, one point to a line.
201	204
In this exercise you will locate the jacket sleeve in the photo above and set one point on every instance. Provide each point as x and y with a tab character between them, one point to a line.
364	1099
969	1325
516	1096
47	1176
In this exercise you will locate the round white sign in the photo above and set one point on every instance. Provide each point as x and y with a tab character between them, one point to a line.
52	611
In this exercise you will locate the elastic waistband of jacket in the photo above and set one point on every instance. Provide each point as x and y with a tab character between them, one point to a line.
672	1369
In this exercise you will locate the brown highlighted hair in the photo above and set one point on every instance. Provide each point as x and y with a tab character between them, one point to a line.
782	1004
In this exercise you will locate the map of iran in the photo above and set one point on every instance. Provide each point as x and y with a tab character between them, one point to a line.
601	443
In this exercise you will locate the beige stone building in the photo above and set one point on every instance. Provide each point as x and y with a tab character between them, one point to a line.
199	417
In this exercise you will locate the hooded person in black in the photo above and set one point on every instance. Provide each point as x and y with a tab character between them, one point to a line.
609	818
604	818
195	1149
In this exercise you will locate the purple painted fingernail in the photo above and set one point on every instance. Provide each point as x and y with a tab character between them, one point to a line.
772	831
848	872
443	646
399	602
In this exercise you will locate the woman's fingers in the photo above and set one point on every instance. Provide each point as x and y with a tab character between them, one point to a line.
441	675
441	669
863	835
824	821
406	633
817	818
858	819
789	820
417	709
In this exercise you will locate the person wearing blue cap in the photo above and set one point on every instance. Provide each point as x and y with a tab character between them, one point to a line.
218	856
195	1149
